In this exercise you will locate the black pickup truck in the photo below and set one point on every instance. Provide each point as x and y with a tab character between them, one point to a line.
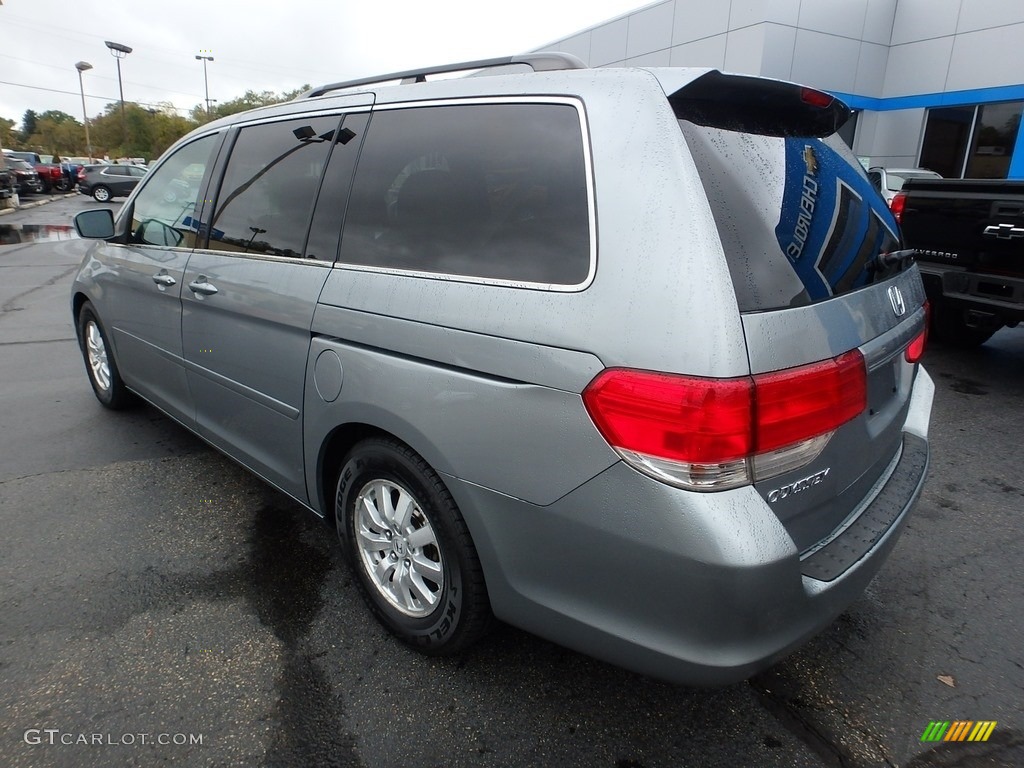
969	239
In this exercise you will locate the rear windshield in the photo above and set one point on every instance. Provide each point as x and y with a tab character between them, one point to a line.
798	218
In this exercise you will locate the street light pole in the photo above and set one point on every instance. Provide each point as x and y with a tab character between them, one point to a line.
81	67
119	51
206	82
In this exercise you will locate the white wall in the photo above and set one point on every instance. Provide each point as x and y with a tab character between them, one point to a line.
868	48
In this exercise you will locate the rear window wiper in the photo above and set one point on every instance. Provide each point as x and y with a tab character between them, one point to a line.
885	261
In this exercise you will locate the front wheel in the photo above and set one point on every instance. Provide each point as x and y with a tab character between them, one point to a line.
410	548
102	194
99	362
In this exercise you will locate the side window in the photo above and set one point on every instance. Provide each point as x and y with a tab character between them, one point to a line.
495	191
163	211
269	186
136	171
876	179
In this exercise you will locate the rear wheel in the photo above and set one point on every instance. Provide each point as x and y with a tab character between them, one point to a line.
410	549
102	194
99	362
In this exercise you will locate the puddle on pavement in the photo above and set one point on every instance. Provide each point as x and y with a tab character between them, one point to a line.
11	234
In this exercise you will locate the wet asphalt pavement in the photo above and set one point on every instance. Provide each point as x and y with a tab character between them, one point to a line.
159	605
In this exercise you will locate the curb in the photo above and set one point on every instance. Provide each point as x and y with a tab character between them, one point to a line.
37	203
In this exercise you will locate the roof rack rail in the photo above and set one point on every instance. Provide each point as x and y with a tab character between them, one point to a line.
540	62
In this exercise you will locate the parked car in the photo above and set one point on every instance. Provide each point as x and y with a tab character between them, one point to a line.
50	176
635	387
6	181
889	181
967	236
105	182
26	178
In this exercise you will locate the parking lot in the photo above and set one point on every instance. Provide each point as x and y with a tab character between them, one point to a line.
157	596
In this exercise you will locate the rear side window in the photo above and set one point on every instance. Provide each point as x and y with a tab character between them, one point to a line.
491	191
270	183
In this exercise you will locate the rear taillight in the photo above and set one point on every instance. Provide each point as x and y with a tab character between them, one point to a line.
915	349
897	205
713	434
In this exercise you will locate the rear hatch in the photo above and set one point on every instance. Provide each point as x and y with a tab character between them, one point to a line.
802	229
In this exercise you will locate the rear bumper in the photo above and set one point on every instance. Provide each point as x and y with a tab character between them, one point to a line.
999	295
700	589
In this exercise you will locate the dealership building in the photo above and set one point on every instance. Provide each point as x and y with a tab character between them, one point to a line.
933	83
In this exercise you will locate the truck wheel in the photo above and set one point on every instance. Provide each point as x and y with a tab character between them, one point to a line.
409	548
949	325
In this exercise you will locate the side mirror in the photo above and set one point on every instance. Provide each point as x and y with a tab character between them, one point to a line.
95	225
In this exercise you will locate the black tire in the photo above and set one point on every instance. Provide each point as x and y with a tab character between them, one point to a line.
109	388
461	612
102	194
949	325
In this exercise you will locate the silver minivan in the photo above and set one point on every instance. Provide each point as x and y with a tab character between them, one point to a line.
625	357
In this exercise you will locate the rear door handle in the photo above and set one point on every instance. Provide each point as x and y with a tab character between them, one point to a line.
199	285
164	279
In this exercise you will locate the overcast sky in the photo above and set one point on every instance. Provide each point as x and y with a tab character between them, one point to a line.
256	44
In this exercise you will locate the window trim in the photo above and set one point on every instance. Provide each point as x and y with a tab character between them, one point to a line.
263	257
588	171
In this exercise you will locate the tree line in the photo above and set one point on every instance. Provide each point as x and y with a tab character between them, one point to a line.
146	132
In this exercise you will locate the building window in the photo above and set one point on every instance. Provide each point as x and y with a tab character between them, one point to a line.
974	142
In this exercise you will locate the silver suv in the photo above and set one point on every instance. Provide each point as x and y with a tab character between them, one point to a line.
625	357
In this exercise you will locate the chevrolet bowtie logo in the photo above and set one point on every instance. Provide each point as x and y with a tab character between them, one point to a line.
1004	231
810	161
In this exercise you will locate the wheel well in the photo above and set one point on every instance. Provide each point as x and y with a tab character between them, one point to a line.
76	307
338	443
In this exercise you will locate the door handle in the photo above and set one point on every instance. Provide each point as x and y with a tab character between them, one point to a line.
164	279
199	285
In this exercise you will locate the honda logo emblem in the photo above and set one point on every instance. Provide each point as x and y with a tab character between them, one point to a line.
896	299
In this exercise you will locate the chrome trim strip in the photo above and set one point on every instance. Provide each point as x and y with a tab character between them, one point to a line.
879	351
263	257
336	110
